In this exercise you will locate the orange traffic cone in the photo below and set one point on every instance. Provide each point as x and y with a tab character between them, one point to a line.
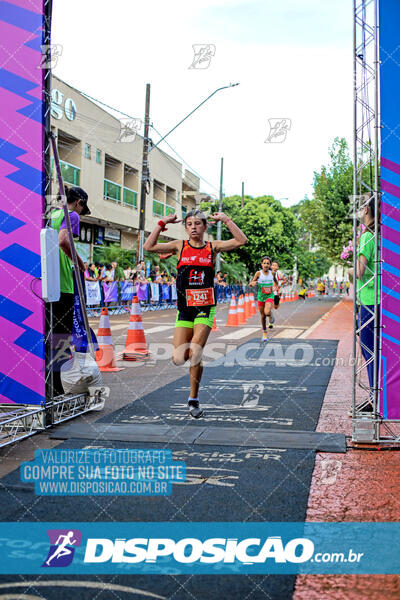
240	311
253	305
105	356
232	315
135	346
214	327
247	312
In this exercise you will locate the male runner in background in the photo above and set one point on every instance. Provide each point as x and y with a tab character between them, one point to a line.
277	286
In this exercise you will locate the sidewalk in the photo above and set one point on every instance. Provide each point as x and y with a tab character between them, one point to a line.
364	485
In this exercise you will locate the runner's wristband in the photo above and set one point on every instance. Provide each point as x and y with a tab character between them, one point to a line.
162	225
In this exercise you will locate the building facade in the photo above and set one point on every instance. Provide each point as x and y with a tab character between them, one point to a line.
103	155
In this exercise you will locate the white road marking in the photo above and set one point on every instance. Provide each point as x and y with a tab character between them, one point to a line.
240	333
118	329
310	329
289	333
158	329
290	326
122	327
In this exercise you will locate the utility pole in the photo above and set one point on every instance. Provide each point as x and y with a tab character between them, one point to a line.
242	194
219	224
295	273
145	177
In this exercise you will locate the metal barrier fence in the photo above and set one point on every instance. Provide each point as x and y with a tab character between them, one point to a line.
117	296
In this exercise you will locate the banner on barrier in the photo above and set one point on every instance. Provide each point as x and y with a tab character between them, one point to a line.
110	291
155	292
93	294
165	291
79	335
141	291
126	290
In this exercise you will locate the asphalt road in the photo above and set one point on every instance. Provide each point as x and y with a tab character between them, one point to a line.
226	480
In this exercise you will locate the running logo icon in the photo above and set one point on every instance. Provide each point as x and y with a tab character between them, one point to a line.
203	54
278	129
62	542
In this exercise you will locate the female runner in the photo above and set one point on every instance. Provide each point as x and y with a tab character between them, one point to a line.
195	289
265	280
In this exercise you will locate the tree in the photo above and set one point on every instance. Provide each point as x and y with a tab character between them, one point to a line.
311	265
114	253
166	264
326	216
311	262
271	229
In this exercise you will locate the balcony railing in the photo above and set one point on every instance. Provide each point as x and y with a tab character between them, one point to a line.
112	191
70	173
130	197
160	209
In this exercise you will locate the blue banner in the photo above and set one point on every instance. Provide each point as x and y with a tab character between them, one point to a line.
79	336
126	290
199	548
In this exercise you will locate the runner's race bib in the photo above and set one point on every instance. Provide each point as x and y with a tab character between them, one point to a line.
203	297
266	290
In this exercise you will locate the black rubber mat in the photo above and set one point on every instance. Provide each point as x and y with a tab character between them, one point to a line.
273	438
276	395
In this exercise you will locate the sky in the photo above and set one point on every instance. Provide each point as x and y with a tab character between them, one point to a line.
292	59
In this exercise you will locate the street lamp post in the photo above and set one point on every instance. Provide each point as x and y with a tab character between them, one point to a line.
191	112
219	225
146	152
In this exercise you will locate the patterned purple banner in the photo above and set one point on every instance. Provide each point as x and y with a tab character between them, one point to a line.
110	291
141	289
390	208
21	205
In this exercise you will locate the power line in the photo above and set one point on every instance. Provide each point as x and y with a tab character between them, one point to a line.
100	101
184	161
91	120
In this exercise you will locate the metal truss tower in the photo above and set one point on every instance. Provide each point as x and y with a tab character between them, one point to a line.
366	156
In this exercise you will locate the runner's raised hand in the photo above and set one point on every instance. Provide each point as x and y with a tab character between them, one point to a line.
218	216
171	219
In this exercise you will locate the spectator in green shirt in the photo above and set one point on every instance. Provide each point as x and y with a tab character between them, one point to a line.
365	269
63	310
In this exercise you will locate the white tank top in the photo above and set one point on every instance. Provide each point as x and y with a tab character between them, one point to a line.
266	280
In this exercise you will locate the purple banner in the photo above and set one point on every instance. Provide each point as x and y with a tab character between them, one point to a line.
110	291
21	206
141	290
389	16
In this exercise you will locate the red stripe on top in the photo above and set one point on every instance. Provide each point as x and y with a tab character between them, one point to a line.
196	257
